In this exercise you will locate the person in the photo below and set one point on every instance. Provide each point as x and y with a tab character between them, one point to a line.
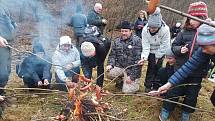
7	30
125	53
79	23
155	40
140	23
175	30
204	54
94	17
183	47
66	60
165	72
94	50
34	70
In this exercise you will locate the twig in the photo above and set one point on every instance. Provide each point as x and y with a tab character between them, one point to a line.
161	99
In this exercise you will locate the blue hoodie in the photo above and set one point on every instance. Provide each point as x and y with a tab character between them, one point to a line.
36	66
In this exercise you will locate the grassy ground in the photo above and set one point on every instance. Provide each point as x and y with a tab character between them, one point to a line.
132	108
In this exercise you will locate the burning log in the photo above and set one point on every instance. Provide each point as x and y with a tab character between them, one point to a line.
82	101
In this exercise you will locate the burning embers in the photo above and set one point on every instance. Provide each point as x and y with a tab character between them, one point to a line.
84	103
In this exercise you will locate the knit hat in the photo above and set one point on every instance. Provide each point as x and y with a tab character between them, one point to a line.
206	35
169	52
65	40
88	49
37	47
198	9
125	25
155	19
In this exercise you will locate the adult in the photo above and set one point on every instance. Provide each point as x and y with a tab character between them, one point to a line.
155	41
79	23
94	50
34	70
95	18
140	23
125	53
66	60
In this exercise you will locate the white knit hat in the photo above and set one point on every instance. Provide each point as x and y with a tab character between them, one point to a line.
88	49
65	40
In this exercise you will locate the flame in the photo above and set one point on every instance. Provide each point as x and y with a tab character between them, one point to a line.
71	93
78	108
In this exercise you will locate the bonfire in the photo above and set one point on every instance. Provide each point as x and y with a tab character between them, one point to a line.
85	103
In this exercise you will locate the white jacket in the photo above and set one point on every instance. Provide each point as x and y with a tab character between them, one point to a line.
62	58
156	44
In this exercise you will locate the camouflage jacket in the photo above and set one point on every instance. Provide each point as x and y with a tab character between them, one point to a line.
125	53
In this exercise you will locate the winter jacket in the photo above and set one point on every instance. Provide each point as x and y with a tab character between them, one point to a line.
94	18
125	53
7	25
165	73
102	46
183	38
156	44
62	59
35	66
138	30
79	23
196	62
174	31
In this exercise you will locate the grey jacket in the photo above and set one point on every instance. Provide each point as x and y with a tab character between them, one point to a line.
156	44
125	53
7	25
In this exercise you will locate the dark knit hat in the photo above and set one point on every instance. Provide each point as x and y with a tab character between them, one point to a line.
37	47
155	19
198	9
125	25
206	35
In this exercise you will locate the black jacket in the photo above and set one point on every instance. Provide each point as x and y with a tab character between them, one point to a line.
183	38
102	46
138	30
95	19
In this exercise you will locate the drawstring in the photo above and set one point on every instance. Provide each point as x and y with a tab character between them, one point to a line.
193	44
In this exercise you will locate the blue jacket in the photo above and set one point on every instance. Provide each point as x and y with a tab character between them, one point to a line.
79	23
7	25
34	66
197	60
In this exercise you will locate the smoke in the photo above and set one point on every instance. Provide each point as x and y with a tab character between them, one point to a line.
48	20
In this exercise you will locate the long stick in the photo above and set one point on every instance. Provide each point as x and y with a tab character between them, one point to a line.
186	15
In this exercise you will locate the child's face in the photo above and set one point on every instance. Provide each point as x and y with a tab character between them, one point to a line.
209	49
171	60
195	24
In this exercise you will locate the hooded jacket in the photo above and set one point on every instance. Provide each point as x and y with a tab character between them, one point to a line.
62	58
36	66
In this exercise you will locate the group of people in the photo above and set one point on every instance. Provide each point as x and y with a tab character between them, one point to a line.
187	56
